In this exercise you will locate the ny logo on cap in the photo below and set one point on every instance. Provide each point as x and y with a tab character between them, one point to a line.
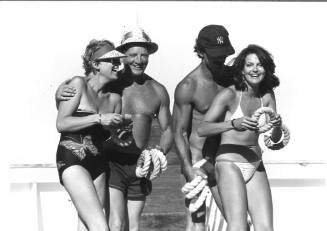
220	40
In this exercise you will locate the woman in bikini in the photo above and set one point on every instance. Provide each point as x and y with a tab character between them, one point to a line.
81	121
241	177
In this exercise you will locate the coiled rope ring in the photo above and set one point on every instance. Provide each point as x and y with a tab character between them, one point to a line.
285	138
264	110
122	134
196	190
286	135
151	163
196	203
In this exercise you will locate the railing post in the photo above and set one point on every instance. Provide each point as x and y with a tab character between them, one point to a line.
37	203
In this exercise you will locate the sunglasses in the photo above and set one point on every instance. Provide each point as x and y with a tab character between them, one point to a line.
115	61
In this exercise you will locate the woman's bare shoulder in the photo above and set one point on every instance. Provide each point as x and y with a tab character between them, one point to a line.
78	81
228	92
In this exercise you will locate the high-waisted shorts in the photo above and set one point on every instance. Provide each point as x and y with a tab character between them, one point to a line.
122	176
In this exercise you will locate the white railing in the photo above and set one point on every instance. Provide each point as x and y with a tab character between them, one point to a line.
41	204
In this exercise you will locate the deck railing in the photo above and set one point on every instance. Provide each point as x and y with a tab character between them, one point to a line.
39	200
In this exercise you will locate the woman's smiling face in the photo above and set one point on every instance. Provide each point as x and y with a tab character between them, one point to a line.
253	71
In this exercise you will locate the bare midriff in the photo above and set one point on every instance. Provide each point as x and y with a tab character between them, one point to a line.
245	138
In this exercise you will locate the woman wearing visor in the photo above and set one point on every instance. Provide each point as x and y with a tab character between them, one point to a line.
81	122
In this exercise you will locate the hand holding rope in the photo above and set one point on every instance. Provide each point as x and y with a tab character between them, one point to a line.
285	138
151	163
122	134
196	190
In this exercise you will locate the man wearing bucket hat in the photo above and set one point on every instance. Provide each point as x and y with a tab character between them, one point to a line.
193	97
145	99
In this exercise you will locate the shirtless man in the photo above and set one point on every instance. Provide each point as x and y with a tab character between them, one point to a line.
193	97
143	98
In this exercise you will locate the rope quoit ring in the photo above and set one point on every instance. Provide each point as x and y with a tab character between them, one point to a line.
156	170
143	164
196	203
189	186
264	110
281	143
159	161
151	164
162	158
122	134
196	190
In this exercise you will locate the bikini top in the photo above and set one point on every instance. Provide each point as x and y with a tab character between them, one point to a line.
238	113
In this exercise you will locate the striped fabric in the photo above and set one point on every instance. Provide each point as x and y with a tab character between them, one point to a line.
214	219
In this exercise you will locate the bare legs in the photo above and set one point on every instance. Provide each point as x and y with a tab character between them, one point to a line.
238	198
87	196
120	210
117	210
135	209
260	202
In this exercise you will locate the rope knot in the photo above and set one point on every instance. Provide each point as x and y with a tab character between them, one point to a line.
196	190
151	163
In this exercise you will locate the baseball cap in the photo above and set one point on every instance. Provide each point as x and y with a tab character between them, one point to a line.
136	36
215	41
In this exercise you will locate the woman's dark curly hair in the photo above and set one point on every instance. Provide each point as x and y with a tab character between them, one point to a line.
91	48
270	80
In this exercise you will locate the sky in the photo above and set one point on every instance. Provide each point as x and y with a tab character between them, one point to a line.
42	44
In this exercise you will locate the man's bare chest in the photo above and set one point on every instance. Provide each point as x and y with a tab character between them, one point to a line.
140	101
204	95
